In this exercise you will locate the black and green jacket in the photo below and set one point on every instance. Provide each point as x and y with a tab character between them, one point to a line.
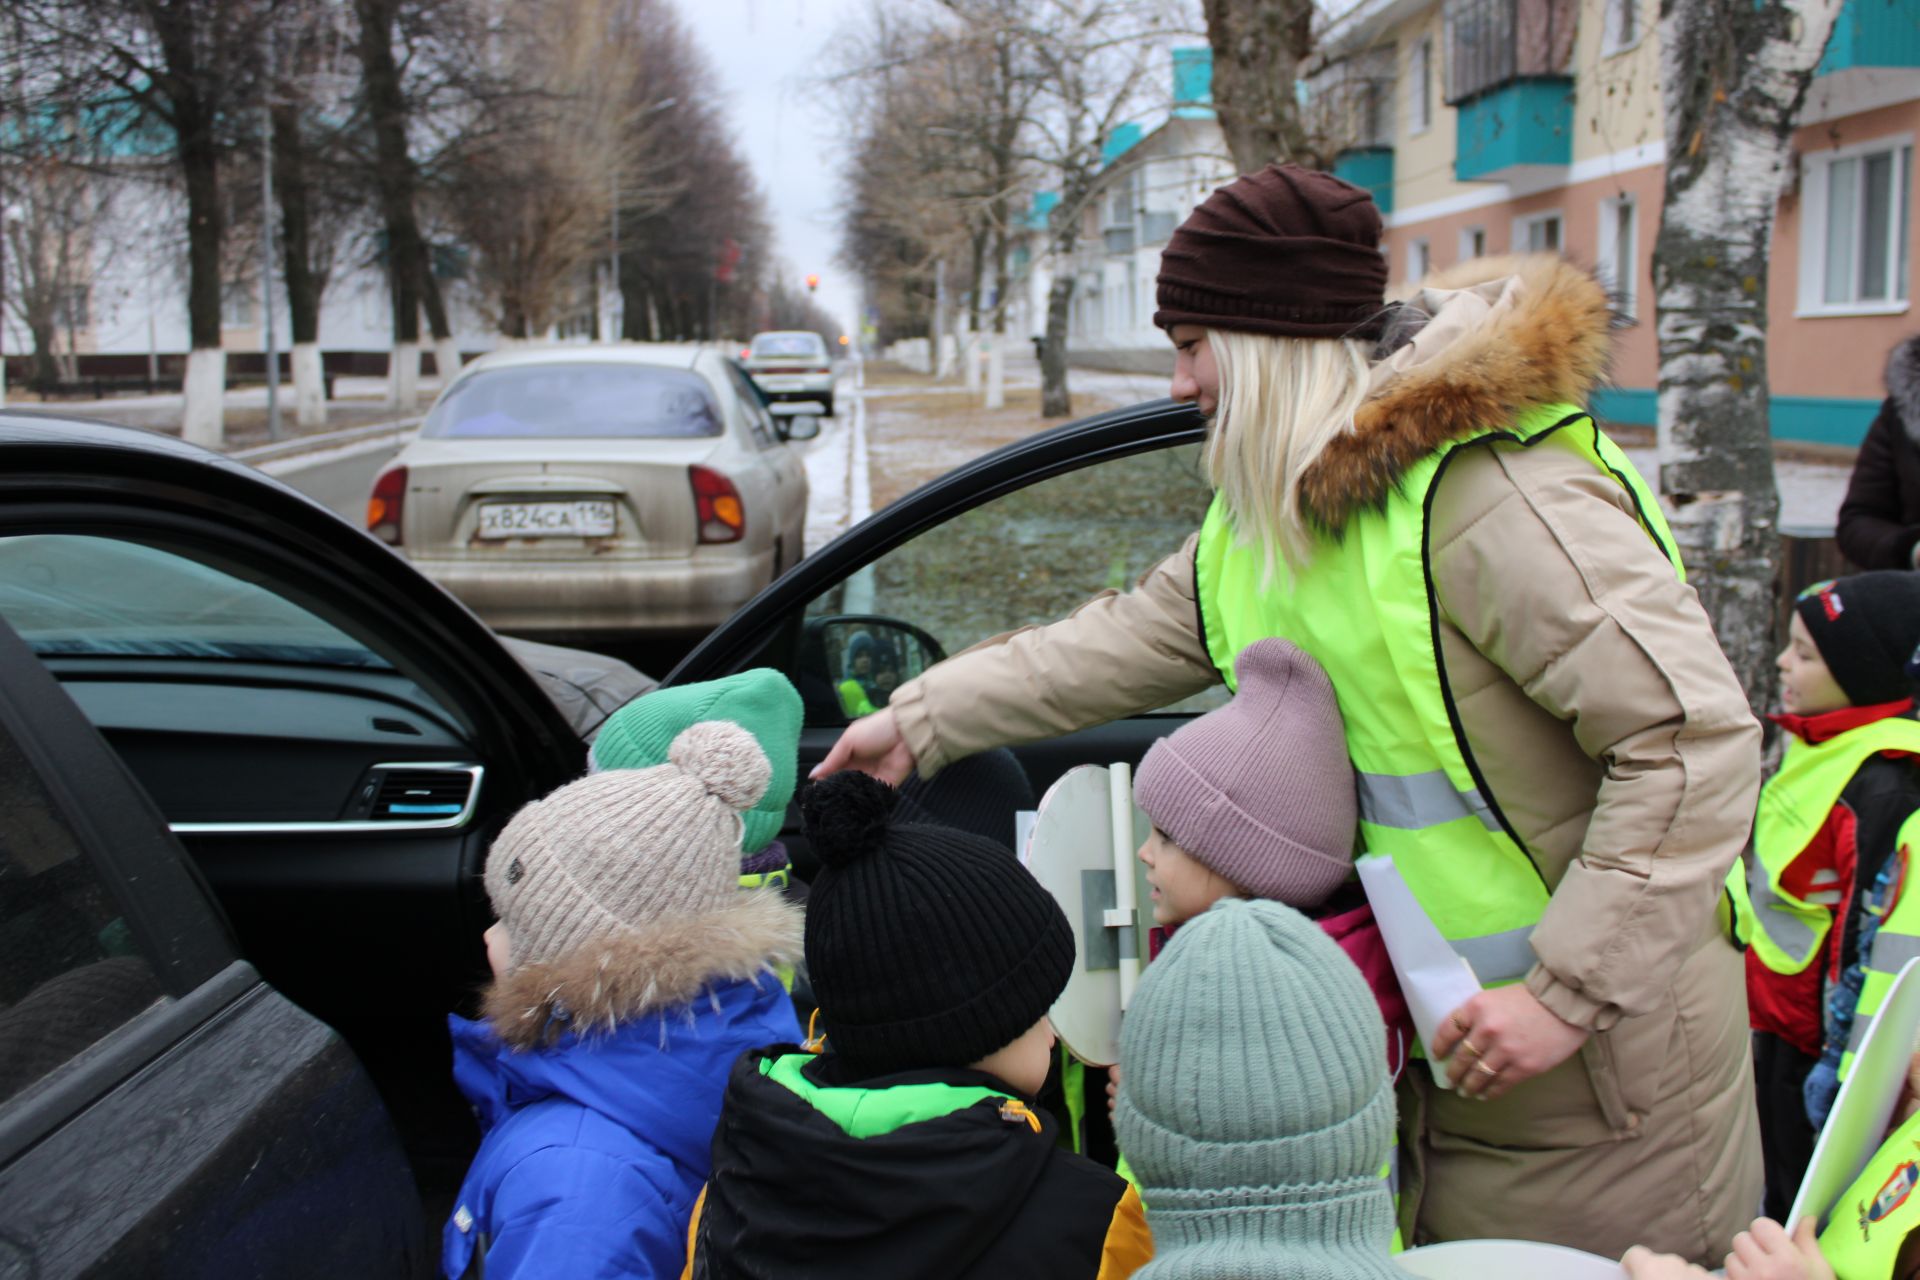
937	1175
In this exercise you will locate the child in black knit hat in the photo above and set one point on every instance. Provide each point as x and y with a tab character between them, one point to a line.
911	1146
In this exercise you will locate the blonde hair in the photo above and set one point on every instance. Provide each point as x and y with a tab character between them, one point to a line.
1281	402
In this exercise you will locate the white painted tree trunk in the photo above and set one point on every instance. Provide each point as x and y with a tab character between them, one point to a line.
203	421
403	377
309	386
970	358
996	371
446	358
1733	76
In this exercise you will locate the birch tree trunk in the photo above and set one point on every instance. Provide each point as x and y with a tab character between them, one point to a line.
1733	76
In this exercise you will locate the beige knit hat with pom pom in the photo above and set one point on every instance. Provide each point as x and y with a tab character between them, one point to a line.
614	852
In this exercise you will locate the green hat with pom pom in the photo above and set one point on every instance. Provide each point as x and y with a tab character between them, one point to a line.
761	701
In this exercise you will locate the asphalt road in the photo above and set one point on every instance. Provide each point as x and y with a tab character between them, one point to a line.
338	478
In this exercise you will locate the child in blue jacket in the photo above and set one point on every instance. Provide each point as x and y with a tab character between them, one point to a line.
630	970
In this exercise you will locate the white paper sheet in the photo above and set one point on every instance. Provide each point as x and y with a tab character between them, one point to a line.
1434	980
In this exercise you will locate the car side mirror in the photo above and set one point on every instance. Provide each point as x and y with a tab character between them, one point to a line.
850	664
801	426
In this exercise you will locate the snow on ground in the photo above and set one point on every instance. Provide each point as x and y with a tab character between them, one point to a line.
830	466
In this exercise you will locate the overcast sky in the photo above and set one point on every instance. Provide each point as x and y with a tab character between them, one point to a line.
768	53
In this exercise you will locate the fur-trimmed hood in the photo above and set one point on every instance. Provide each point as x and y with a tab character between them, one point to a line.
597	987
1903	384
1506	334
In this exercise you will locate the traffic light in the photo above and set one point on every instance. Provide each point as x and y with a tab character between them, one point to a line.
813	283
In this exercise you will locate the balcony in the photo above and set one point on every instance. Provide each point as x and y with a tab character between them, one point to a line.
1871	34
1520	133
1369	167
1507	78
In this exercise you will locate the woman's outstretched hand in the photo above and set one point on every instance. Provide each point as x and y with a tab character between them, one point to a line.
872	744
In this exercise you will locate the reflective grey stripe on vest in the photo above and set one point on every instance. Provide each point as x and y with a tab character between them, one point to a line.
1892	950
1858	1033
1411	802
1775	914
1497	957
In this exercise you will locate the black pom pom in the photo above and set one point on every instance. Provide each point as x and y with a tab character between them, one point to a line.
846	815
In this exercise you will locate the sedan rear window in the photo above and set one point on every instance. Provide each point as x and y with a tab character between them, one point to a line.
790	344
576	400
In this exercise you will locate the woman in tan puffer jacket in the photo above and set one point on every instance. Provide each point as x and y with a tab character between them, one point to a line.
1605	1098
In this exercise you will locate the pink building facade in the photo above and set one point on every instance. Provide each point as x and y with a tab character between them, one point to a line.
1520	125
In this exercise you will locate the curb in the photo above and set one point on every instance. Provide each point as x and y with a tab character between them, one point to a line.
256	454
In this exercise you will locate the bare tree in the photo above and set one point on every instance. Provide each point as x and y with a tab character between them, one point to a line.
57	203
1733	74
1259	48
189	71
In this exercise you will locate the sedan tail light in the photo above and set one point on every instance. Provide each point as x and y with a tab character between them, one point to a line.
383	508
717	505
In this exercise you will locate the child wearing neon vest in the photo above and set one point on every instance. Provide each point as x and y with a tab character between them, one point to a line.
1872	1231
1826	832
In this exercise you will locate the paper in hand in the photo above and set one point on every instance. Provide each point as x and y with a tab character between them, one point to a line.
1433	978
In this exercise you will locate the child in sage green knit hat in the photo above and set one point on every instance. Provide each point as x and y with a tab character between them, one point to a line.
762	702
1256	1107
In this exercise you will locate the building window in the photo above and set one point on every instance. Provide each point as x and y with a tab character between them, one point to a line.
1622	27
1853	241
1619	256
1420	86
70	312
237	305
1473	243
1537	233
1419	261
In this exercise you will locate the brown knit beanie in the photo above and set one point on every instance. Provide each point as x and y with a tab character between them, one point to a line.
1287	251
1261	790
616	851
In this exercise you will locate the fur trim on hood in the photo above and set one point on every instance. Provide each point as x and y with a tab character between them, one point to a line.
616	979
1550	345
1903	384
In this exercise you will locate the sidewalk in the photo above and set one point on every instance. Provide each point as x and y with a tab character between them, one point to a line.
358	403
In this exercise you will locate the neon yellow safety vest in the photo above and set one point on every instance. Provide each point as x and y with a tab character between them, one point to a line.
1896	941
1364	608
1794	805
1872	1220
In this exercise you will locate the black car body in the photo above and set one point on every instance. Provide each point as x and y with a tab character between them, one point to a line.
283	753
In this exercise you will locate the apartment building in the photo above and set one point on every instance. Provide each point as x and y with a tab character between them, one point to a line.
1153	175
1489	126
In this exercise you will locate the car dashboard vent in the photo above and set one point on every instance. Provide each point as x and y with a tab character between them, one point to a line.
436	794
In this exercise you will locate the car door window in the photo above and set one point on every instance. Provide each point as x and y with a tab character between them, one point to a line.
231	700
1029	557
70	969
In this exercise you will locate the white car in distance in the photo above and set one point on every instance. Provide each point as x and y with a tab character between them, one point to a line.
616	489
791	366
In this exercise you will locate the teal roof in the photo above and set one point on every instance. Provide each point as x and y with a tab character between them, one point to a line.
1193	83
1122	140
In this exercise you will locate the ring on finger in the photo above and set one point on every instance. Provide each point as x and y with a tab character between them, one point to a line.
1482	1066
1469	1047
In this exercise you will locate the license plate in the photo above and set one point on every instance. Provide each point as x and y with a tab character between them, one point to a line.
546	519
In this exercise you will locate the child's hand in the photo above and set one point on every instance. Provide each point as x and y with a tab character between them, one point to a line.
1642	1263
1113	1088
1766	1252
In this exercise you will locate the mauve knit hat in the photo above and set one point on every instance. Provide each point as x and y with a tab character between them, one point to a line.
1255	1106
1865	626
1261	790
615	851
927	946
761	701
1287	251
